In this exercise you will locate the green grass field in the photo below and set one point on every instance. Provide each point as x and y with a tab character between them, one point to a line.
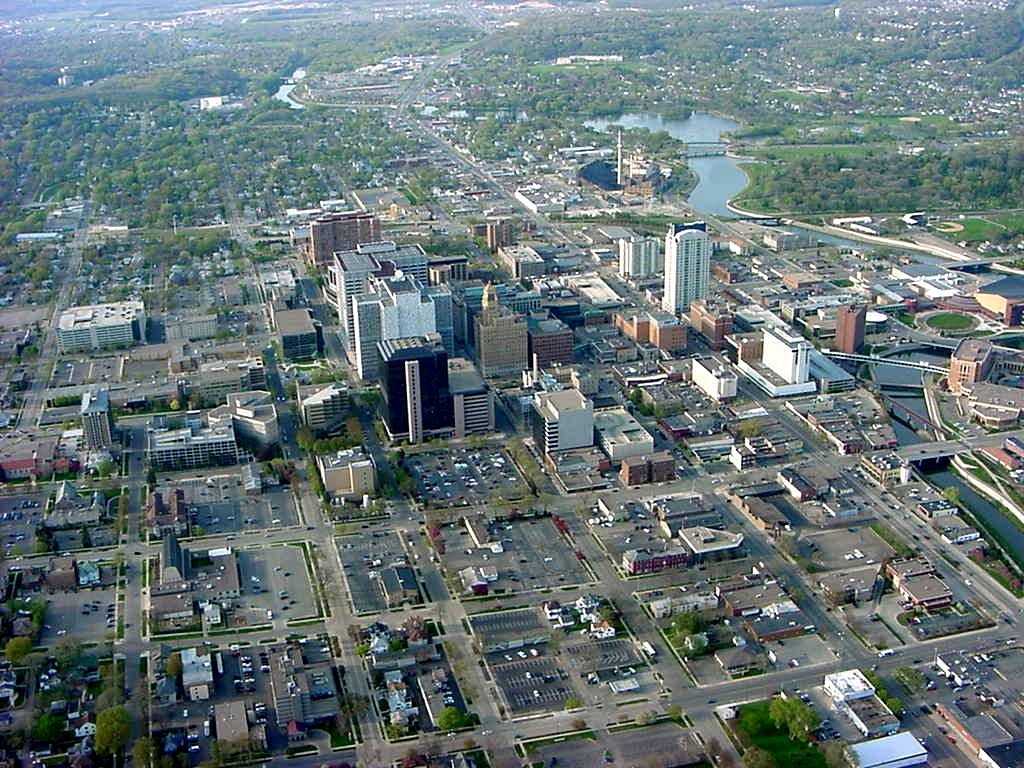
755	727
950	321
978	229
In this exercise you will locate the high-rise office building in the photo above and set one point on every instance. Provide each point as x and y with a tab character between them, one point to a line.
562	420
444	315
97	419
500	338
640	257
549	340
687	265
787	354
339	232
301	336
348	275
472	399
396	307
850	327
417	401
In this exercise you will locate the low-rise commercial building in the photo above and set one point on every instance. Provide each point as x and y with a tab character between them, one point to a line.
190	328
900	750
350	473
620	435
885	468
252	415
655	468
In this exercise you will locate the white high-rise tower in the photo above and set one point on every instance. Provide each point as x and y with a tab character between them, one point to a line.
687	265
618	161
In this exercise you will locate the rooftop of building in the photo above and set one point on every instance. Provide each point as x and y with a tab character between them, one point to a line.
702	539
344	458
620	426
972	350
1011	287
91	314
463	377
850	682
95	402
292	321
410	347
324	393
561	401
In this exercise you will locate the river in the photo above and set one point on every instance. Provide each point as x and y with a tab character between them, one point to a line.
980	506
284	93
719	178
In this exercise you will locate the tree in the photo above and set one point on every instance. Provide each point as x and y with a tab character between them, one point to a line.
573	702
450	719
17	648
355	705
755	757
750	428
142	752
835	754
173	666
793	715
113	729
67	651
48	728
951	494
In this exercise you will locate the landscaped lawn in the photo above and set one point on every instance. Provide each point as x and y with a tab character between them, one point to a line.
950	321
755	726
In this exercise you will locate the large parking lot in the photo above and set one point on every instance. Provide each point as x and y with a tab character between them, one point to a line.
85	614
586	656
534	555
844	548
362	555
275	579
465	477
19	516
218	504
531	684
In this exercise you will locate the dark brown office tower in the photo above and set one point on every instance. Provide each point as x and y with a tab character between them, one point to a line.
850	328
498	234
339	232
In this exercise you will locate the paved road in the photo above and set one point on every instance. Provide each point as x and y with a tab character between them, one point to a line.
35	397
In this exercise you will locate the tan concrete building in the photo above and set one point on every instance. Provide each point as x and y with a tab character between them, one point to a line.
971	362
350	473
501	339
